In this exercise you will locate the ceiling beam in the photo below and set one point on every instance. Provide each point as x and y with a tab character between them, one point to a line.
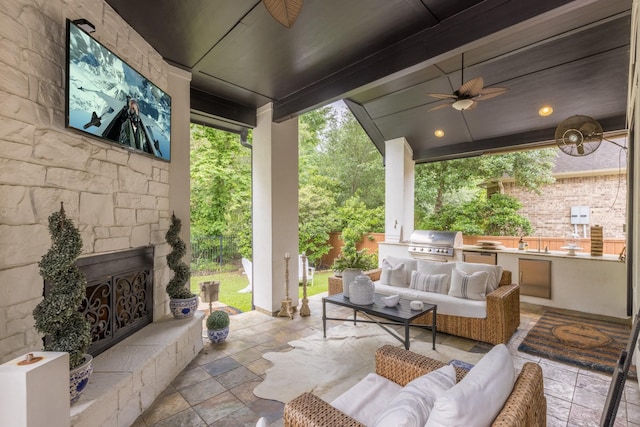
209	105
473	24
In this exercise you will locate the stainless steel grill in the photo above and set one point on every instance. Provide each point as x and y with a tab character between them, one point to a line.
436	245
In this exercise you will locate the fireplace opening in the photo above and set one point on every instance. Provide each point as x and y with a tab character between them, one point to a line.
119	295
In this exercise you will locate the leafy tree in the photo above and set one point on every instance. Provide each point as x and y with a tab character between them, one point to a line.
448	195
497	216
348	157
220	185
317	219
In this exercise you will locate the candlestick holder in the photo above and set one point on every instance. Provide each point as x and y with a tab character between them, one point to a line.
304	310
285	309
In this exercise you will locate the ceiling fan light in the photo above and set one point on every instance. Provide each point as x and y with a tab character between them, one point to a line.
462	104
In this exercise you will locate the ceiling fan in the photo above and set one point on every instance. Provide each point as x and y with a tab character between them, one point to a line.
580	136
467	96
284	11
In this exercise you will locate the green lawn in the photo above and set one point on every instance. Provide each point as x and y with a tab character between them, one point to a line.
231	283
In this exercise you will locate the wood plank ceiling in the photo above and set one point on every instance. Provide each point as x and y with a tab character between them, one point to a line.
383	57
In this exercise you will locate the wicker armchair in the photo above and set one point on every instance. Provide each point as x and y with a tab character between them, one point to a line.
503	313
525	407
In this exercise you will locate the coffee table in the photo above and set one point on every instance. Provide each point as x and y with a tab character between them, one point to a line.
400	315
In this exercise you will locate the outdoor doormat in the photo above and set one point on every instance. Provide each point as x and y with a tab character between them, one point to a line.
588	343
231	310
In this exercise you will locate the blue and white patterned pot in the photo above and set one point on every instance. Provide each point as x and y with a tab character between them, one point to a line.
79	377
183	308
218	336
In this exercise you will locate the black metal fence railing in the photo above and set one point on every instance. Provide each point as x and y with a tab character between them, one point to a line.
210	252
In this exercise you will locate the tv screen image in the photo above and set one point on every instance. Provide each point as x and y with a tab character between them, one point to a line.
109	99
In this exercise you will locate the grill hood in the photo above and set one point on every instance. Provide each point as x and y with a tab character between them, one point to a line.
451	239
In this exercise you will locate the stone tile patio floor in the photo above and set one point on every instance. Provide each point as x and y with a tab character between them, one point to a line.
216	388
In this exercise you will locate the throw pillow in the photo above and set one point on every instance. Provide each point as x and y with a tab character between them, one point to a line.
412	405
435	267
410	264
438	283
478	398
393	275
494	271
469	286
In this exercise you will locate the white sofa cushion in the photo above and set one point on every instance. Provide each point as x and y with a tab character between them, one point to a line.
438	283
412	405
494	273
410	265
478	398
393	275
469	286
367	399
447	304
435	267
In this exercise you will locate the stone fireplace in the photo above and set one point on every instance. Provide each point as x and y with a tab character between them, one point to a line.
119	295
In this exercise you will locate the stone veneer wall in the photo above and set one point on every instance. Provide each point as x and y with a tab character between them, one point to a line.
117	198
549	212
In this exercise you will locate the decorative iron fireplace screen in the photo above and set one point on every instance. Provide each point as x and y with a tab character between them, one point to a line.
119	297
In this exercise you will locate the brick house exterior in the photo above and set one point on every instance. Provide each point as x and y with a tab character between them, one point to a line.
598	181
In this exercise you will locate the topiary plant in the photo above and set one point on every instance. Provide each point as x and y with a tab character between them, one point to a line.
57	315
176	287
218	320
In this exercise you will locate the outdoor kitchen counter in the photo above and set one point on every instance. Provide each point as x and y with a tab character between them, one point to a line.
591	284
542	253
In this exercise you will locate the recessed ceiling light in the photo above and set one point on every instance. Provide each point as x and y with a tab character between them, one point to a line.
545	111
439	133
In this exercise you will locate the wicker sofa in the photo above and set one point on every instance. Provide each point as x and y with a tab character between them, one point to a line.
503	312
526	406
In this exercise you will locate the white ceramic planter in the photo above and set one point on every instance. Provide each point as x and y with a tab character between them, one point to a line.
79	377
183	308
348	276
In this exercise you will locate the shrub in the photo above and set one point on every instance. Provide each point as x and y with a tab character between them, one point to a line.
218	320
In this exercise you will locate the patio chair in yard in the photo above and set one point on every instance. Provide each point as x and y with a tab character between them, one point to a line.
310	271
248	270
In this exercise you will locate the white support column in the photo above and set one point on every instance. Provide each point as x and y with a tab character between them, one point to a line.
179	170
399	190
275	210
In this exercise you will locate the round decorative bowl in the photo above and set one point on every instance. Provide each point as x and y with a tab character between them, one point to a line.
391	300
217	336
79	377
183	308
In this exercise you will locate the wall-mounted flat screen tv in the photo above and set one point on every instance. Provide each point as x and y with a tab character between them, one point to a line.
107	98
